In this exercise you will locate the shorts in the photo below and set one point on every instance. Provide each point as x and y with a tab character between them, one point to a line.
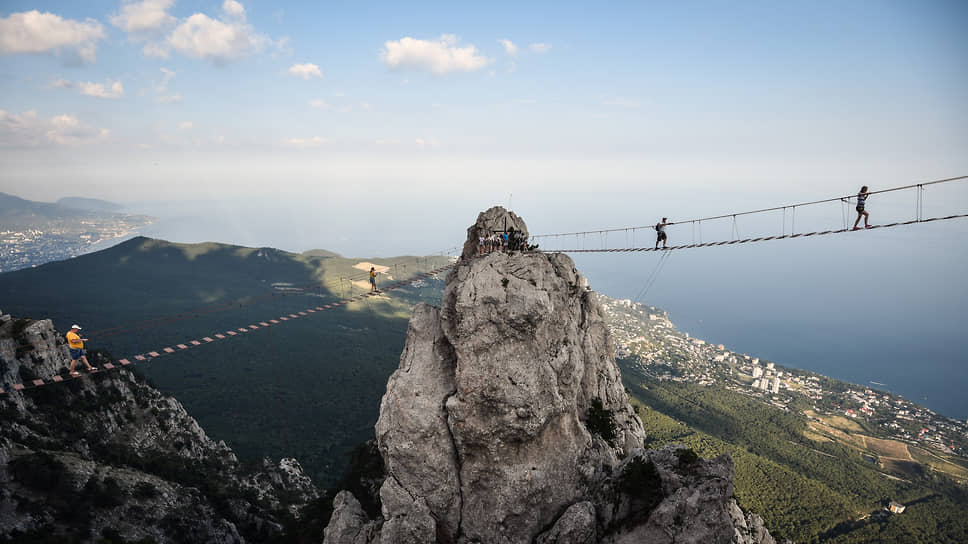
661	236
860	209
77	353
372	281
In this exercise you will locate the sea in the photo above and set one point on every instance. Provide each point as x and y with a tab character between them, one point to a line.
885	309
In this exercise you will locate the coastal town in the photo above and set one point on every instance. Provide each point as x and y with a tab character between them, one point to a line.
55	240
646	338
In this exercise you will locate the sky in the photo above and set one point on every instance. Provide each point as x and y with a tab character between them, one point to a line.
471	103
383	128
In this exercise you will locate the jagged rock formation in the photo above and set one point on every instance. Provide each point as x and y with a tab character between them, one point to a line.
108	455
507	422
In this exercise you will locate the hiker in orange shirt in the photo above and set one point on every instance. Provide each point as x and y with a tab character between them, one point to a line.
76	345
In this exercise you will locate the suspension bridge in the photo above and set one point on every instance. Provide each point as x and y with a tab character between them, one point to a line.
581	241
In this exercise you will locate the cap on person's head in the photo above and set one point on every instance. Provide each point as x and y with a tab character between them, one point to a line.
76	326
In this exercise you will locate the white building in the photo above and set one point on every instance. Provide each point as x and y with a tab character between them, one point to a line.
769	366
776	386
757	371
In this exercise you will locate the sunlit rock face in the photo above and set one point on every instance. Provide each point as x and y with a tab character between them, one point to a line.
507	422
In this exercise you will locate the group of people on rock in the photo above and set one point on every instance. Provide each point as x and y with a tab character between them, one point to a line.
660	233
508	240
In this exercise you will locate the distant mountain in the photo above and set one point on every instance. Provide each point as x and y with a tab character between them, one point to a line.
33	233
309	388
88	204
320	253
15	211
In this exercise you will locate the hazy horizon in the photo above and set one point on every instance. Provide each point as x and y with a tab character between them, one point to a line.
384	129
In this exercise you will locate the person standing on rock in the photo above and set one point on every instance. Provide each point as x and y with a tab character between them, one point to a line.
372	279
76	345
861	201
660	234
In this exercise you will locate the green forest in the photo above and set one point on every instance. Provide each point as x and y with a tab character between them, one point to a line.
307	388
807	491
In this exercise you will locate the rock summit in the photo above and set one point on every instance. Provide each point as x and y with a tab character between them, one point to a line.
507	422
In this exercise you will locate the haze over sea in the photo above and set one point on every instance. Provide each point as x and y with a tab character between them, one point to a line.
378	132
886	306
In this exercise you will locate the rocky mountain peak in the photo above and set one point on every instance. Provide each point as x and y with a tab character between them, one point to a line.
507	421
492	221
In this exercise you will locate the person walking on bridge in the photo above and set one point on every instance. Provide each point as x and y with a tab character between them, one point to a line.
861	200
76	345
660	234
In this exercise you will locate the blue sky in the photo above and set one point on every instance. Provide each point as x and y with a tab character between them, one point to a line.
174	99
384	128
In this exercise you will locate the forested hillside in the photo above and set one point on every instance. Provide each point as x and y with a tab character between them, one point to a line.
308	388
806	490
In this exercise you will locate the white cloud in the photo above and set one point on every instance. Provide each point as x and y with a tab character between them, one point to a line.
540	47
35	32
99	90
438	57
219	41
306	71
156	50
166	76
162	88
509	46
29	130
424	143
233	9
185	125
313	141
110	89
319	103
145	17
365	106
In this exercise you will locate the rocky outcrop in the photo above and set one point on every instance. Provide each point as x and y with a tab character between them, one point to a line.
507	422
106	454
493	221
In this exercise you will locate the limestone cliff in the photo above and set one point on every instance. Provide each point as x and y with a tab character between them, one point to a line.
106	455
507	422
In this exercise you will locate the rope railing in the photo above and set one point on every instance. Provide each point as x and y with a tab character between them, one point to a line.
759	239
698	221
